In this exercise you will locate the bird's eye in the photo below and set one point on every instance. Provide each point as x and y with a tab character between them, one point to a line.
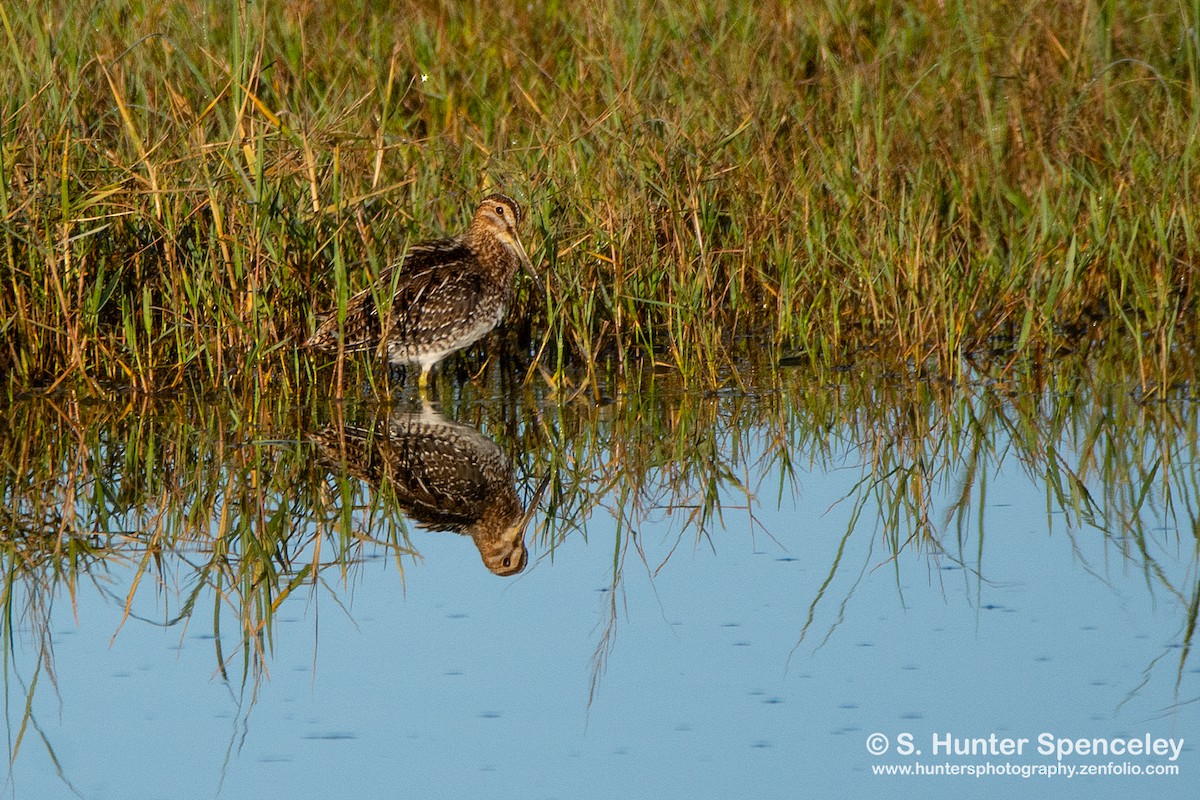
500	210
507	561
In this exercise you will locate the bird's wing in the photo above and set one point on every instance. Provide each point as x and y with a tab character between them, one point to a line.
432	300
431	268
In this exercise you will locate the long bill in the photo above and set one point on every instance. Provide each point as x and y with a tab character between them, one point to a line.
532	508
525	262
516	531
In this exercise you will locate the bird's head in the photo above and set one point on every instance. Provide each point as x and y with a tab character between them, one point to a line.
499	217
505	555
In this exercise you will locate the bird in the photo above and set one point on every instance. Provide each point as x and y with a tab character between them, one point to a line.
444	476
447	295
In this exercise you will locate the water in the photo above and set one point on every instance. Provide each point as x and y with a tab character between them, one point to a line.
727	595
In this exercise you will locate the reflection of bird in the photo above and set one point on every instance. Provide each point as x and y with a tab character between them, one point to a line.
448	294
445	476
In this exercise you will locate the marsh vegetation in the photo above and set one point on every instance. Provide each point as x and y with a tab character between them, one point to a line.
185	185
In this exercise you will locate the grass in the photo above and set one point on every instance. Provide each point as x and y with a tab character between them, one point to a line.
182	186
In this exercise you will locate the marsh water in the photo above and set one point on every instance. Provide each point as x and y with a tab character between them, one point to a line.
785	588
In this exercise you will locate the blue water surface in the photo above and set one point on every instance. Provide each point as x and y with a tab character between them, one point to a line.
754	661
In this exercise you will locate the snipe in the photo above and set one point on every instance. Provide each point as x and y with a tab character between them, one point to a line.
449	294
445	476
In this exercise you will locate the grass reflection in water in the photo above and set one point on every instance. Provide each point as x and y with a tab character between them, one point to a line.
224	511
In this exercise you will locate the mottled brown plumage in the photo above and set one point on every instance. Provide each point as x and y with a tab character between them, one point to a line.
444	475
449	293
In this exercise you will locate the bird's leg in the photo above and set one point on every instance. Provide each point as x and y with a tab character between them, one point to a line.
423	384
